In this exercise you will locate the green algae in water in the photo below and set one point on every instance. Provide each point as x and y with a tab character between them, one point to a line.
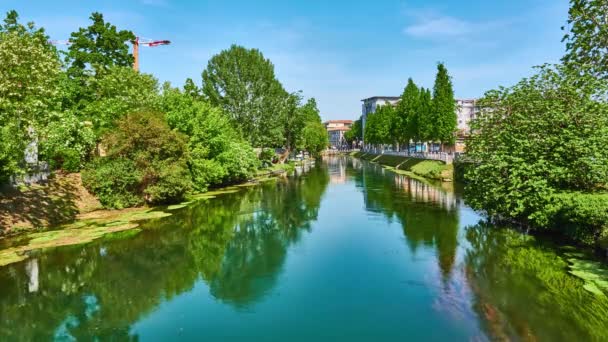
178	206
592	273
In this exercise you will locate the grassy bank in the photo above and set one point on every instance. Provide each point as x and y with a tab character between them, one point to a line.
64	200
106	224
429	169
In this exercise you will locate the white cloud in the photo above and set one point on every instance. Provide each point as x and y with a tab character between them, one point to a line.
439	27
433	25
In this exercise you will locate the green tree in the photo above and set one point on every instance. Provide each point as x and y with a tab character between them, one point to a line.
295	120
146	162
218	155
379	124
406	117
587	37
444	107
313	135
98	47
424	121
543	136
242	82
118	91
354	135
29	76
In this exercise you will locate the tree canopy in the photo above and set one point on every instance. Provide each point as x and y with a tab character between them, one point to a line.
99	46
242	82
29	79
587	37
544	135
444	107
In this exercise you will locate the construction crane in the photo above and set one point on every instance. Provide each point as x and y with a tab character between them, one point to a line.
136	43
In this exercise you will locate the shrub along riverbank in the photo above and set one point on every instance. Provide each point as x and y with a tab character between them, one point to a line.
430	169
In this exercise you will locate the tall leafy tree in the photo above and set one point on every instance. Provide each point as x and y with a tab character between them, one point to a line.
99	46
242	82
378	125
587	36
406	114
424	116
295	119
313	137
29	76
444	107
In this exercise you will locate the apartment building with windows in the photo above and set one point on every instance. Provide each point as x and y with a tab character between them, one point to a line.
335	131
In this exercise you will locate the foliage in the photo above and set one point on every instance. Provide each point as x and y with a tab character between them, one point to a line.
405	122
378	125
354	134
66	142
542	136
118	91
114	181
582	216
295	119
242	82
423	129
218	156
267	157
98	46
444	108
29	74
587	37
313	137
158	173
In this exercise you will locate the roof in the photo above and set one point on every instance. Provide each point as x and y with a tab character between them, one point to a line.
382	98
338	121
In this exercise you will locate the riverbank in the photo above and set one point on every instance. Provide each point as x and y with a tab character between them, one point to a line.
104	223
64	202
414	167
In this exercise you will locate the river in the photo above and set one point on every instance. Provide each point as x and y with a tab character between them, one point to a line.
344	250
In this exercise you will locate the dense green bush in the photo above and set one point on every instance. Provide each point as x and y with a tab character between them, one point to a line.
267	157
582	216
542	137
67	142
158	172
115	181
218	155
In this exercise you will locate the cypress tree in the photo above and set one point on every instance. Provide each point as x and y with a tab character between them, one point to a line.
406	120
425	122
444	107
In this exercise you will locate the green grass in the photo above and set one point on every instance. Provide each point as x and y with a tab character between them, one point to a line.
431	169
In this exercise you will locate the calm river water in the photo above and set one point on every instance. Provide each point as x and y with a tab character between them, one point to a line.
345	250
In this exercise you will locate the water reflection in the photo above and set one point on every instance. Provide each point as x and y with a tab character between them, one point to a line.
235	243
477	282
428	214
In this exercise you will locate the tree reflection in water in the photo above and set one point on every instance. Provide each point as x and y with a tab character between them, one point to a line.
236	243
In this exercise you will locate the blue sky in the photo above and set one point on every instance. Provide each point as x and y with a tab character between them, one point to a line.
336	51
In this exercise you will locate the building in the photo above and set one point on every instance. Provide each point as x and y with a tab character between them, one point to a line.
335	131
466	109
372	103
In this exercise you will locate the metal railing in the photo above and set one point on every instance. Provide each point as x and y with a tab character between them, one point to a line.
446	157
